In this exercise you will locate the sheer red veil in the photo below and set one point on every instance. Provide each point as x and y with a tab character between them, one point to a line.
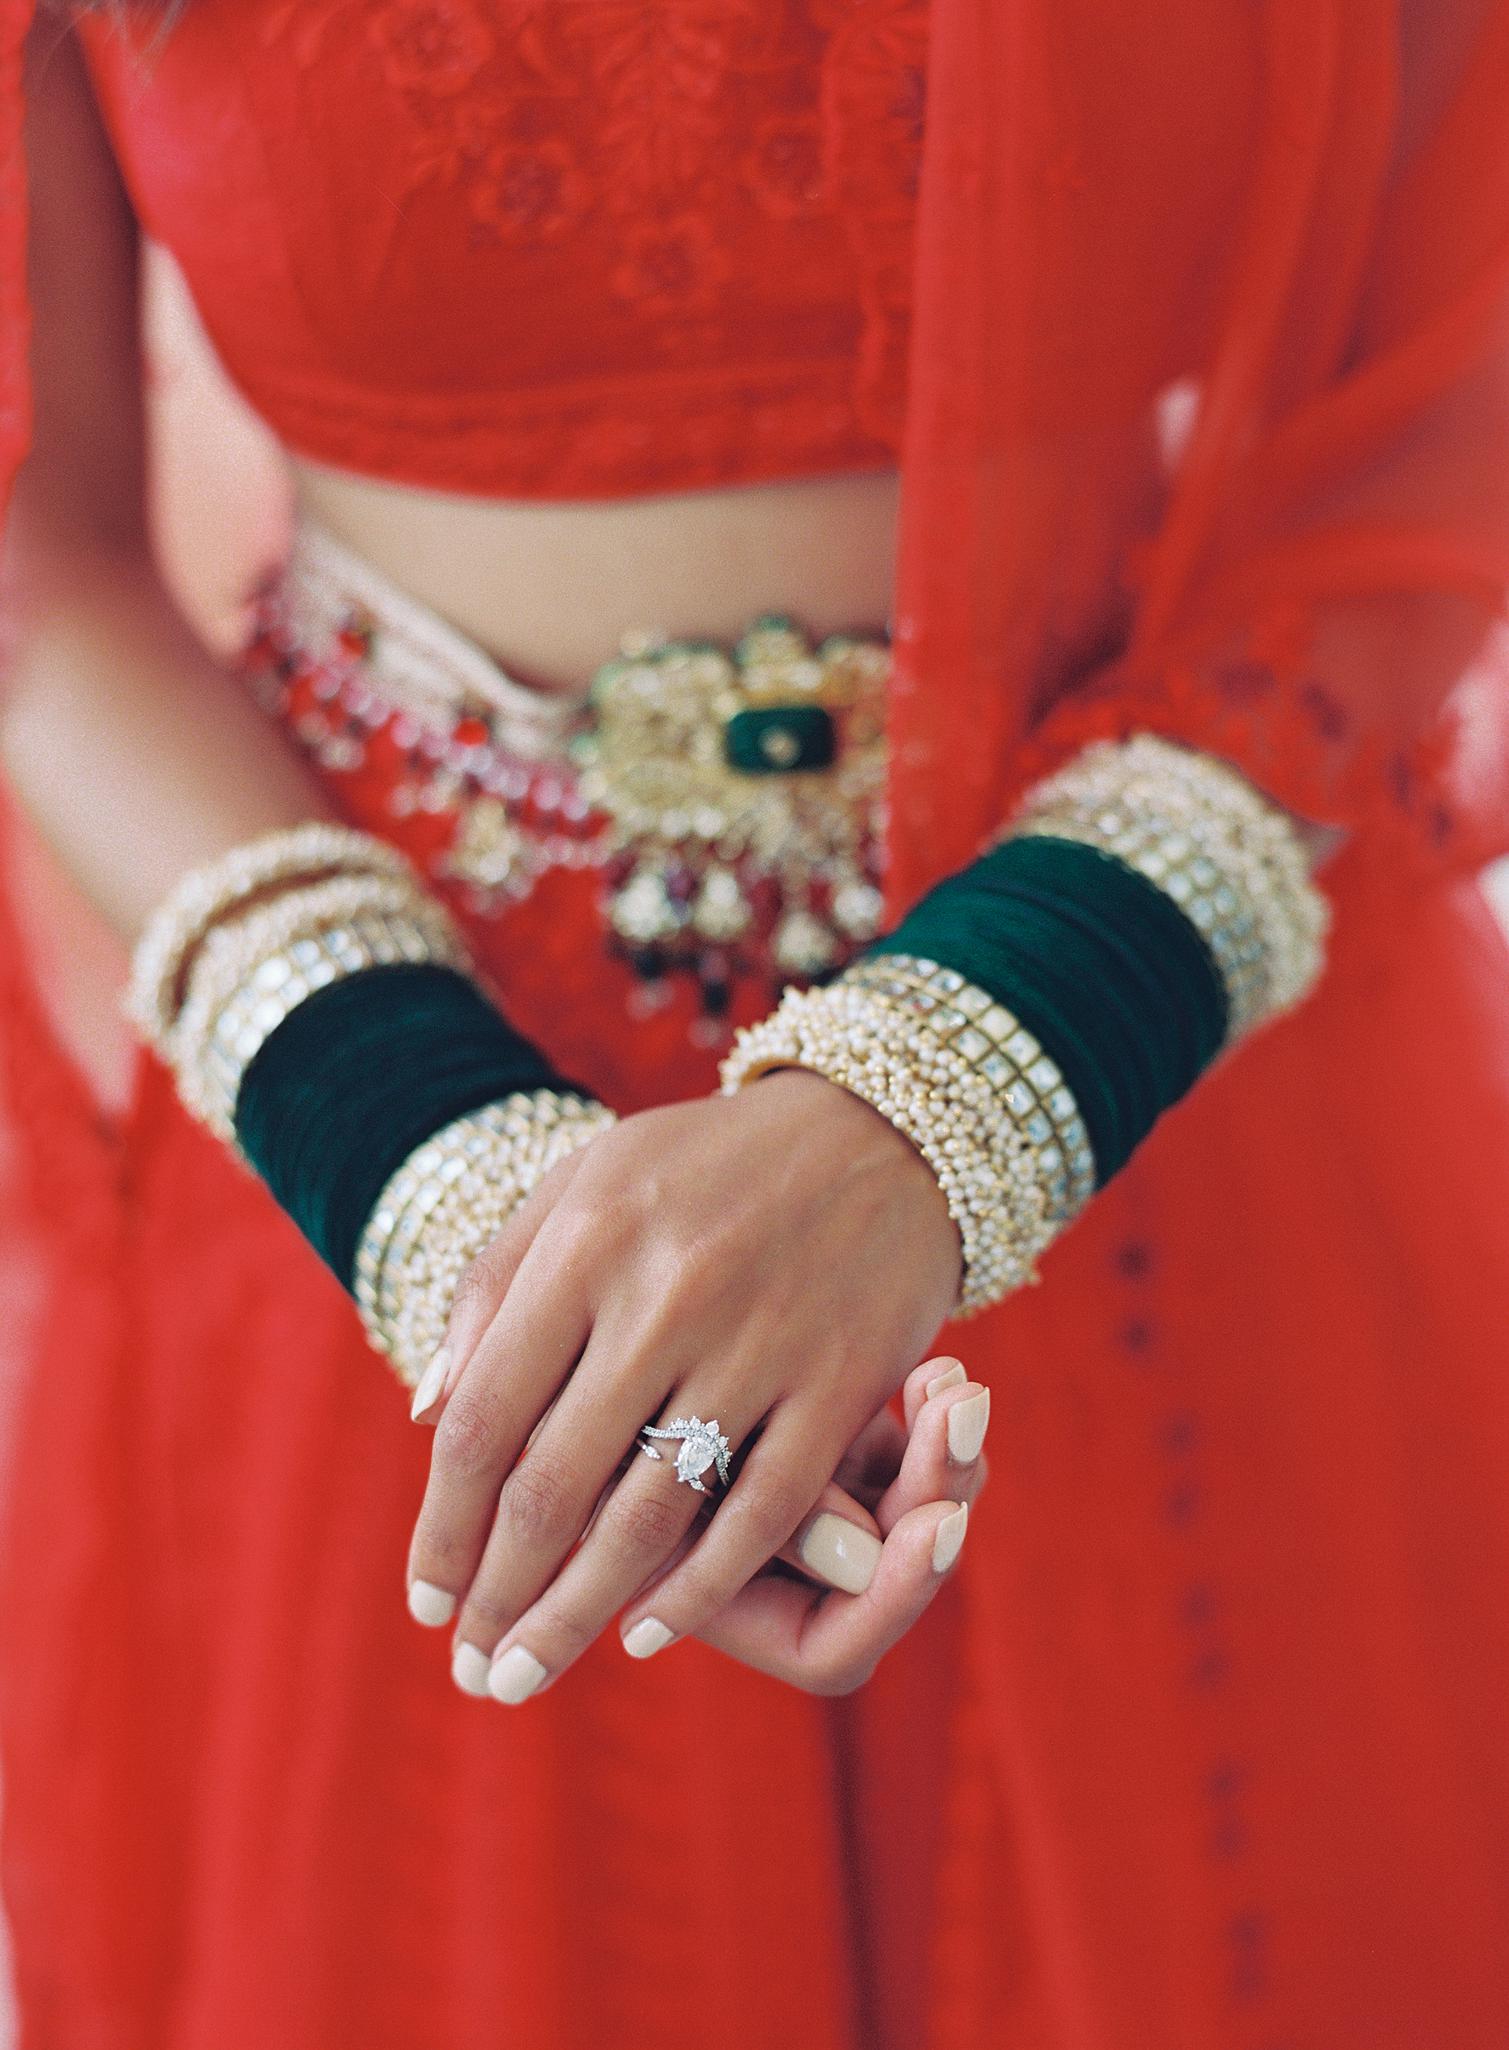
1209	419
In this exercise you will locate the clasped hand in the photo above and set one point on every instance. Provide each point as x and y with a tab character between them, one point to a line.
778	1261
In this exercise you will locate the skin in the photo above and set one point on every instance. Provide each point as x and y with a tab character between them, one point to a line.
780	1260
776	1260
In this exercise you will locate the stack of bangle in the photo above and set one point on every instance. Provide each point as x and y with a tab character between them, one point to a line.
446	1203
207	895
1230	860
250	974
899	1048
313	1003
1036	1013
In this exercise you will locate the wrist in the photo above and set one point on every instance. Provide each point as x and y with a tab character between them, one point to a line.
316	1007
1034	1016
855	1142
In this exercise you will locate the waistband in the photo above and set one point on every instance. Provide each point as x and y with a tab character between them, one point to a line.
730	796
326	592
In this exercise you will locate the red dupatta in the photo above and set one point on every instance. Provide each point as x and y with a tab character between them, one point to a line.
1209	421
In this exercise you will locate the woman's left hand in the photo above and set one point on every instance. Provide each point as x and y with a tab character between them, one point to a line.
919	1480
777	1260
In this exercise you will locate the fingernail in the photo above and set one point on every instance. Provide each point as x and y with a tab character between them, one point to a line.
469	1670
966	1428
951	1378
515	1675
431	1381
839	1552
648	1636
430	1605
950	1538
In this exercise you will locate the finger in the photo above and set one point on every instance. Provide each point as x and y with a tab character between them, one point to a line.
755	1522
873	1461
482	1289
548	1499
930	1379
944	1457
830	1644
515	1371
838	1544
639	1530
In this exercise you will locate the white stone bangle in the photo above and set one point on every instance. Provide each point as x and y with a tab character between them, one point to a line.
252	971
275	988
208	894
446	1203
1233	863
1015	1064
883	1047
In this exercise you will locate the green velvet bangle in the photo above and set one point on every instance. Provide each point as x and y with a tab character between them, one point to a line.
361	1074
1100	966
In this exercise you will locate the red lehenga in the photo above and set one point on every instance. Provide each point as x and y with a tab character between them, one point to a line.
1208	428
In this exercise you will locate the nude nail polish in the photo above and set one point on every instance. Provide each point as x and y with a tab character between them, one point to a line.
951	1377
430	1383
516	1674
429	1604
648	1636
469	1670
966	1428
949	1538
839	1552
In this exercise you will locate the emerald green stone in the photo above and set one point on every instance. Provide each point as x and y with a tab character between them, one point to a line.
780	740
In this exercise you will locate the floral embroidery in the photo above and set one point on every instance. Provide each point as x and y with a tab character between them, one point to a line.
874	96
688	151
536	107
784	165
432	46
534	189
669	264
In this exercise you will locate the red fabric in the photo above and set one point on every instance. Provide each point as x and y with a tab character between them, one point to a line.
566	250
1209	425
1204	1750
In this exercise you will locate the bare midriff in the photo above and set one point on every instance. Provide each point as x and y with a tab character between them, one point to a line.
550	589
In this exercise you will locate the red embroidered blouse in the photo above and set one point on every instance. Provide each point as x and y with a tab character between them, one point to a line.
543	247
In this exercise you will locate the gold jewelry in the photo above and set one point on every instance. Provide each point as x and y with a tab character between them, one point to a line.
1231	861
249	977
729	798
996	1042
206	895
722	773
446	1203
885	1047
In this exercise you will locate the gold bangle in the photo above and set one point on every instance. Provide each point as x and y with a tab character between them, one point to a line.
259	989
253	972
1015	1064
1231	861
206	895
446	1203
881	1046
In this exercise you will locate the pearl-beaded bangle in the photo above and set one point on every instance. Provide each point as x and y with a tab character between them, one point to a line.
879	1044
445	1204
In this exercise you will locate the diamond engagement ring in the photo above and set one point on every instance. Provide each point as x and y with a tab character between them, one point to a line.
702	1445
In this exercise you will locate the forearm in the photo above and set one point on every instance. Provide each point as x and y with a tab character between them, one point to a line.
169	761
1032	1017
